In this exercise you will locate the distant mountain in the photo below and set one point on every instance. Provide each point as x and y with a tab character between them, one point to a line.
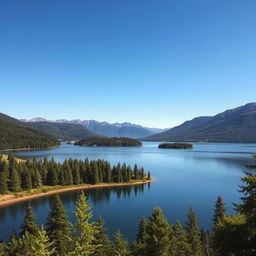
107	129
16	135
65	131
234	125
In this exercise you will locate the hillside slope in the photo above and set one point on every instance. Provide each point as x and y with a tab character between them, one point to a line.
235	125
17	135
65	131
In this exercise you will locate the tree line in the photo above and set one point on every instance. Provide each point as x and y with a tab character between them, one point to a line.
18	176
233	235
109	142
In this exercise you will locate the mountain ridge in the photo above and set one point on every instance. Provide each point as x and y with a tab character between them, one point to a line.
104	128
232	125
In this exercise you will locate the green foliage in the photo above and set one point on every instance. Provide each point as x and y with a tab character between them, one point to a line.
3	177
193	234
157	234
102	240
109	142
17	135
58	228
139	246
29	223
219	211
230	237
2	249
42	245
83	238
120	245
179	245
17	176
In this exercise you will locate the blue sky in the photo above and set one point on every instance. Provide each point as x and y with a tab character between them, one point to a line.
155	63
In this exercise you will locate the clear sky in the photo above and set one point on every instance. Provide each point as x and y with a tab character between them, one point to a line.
155	63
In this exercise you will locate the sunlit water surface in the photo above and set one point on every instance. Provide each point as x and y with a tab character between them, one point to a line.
183	178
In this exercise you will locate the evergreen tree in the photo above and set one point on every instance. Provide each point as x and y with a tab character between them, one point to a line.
219	211
230	237
149	175
26	181
120	245
139	246
42	245
248	206
84	232
2	249
3	177
12	245
193	234
157	234
37	180
58	228
29	223
95	174
102	240
14	181
25	245
179	245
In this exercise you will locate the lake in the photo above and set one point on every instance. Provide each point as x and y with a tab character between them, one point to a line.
182	178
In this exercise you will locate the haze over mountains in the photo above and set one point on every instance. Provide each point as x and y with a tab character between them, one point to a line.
101	128
234	125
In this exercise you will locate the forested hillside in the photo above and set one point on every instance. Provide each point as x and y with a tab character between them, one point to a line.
234	125
17	135
65	131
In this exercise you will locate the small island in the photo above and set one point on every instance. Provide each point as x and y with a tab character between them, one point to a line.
109	142
175	145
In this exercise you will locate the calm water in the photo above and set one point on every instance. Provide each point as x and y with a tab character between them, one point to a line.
183	178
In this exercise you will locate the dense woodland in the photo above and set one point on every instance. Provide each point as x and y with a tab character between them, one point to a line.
17	176
233	235
109	142
17	135
176	145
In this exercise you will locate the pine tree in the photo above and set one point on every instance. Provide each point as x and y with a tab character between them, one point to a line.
42	245
14	181
120	245
179	245
247	207
12	245
84	232
37	180
102	240
193	234
25	245
3	177
139	246
219	211
2	249
29	223
95	174
149	175
58	227
26	181
157	234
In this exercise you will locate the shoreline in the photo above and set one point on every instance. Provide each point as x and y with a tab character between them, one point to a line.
26	149
16	200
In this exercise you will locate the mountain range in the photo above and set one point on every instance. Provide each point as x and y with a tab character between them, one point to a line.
234	125
98	128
